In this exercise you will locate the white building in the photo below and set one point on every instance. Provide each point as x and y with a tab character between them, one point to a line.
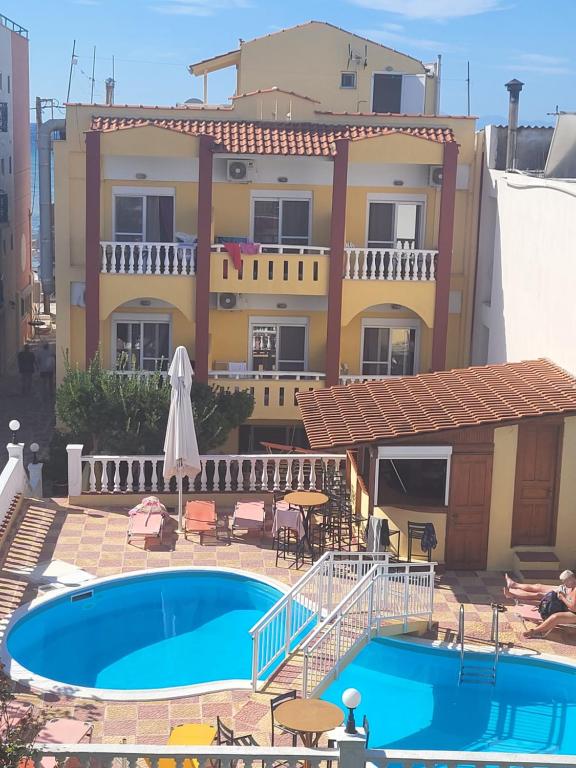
525	305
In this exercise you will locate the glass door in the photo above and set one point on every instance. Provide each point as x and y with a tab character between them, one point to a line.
391	222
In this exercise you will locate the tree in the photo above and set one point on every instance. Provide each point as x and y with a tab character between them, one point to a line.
128	414
16	737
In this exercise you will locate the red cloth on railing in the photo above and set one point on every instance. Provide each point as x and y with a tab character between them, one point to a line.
233	251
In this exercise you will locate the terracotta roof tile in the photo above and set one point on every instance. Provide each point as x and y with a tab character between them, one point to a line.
272	138
431	402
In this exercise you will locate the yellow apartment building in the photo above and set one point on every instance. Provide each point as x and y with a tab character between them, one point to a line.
317	229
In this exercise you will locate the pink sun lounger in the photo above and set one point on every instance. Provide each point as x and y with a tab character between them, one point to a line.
145	525
63	731
249	516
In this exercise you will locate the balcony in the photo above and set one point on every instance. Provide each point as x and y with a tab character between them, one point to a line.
284	269
404	263
128	258
274	392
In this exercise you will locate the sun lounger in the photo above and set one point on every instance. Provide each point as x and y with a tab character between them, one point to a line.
249	516
145	525
527	613
191	734
199	518
63	731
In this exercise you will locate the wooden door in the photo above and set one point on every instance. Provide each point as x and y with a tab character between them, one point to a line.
537	466
468	512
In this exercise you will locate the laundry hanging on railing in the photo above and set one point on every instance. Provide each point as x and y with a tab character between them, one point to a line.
377	534
236	249
429	538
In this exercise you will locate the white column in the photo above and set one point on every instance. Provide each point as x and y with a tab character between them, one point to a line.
74	469
352	747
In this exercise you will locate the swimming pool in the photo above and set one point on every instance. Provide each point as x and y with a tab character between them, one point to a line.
411	696
152	634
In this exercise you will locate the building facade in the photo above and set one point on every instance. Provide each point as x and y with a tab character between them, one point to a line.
320	228
15	237
526	271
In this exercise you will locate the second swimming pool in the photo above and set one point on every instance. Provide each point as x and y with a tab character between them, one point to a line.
411	696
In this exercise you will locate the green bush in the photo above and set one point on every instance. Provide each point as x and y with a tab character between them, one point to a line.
128	414
15	739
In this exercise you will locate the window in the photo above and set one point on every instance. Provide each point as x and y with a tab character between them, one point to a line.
386	93
348	80
413	475
10	164
387	351
3	207
3	116
8	83
141	345
390	222
278	344
144	218
2	171
283	221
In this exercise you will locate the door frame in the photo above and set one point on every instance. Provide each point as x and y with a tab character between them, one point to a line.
530	426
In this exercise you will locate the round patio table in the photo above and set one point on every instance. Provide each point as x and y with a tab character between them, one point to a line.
306	501
309	718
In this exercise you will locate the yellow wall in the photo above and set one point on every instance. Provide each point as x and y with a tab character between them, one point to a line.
502	498
566	529
398	520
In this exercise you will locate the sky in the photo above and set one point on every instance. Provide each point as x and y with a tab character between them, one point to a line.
153	41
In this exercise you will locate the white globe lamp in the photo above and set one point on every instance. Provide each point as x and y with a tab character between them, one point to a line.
351	698
14	426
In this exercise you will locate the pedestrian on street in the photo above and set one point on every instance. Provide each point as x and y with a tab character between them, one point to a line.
26	367
46	365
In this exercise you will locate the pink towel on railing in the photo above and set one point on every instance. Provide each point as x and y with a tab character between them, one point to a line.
250	248
233	251
287	517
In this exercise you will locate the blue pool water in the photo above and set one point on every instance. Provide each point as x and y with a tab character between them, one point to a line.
411	696
155	630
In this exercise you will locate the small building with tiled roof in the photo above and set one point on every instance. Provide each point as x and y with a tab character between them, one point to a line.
485	454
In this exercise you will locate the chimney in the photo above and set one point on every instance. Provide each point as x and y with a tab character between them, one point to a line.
110	83
513	87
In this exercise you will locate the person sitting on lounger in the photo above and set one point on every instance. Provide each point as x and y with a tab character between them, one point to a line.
568	597
533	593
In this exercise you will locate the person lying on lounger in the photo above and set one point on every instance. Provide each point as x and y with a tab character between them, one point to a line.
568	616
533	593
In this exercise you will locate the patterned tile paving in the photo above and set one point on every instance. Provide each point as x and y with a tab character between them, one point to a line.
95	540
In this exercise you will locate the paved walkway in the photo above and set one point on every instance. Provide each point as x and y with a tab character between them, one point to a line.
34	412
95	540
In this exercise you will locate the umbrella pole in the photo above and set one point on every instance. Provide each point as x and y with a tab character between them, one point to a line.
179	502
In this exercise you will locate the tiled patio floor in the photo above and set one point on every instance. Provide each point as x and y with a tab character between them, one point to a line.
95	540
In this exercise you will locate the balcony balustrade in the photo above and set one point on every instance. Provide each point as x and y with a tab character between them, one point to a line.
404	263
120	258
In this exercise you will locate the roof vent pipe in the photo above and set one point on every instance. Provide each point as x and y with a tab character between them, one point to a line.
513	87
110	83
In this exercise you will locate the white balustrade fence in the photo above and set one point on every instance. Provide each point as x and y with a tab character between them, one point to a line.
240	474
351	378
350	752
13	479
268	375
312	598
122	258
264	248
401	263
387	592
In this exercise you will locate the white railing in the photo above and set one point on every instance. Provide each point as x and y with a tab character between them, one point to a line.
313	597
268	375
386	593
265	248
123	258
357	378
349	752
219	474
13	480
400	263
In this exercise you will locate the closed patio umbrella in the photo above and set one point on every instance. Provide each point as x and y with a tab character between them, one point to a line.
181	455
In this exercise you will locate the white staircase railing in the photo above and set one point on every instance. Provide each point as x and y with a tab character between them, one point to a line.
313	597
387	592
219	474
13	480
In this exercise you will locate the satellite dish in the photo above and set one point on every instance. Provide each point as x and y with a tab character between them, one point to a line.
193	101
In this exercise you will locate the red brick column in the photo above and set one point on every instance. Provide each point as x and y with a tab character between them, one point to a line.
204	232
337	244
444	266
92	249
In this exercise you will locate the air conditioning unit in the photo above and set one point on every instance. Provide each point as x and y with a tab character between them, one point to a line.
239	170
435	176
228	301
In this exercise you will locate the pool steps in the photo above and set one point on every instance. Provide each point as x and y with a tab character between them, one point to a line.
476	672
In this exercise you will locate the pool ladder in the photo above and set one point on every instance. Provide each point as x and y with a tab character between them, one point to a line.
477	672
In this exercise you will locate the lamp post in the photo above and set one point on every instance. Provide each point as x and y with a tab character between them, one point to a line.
14	426
351	698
